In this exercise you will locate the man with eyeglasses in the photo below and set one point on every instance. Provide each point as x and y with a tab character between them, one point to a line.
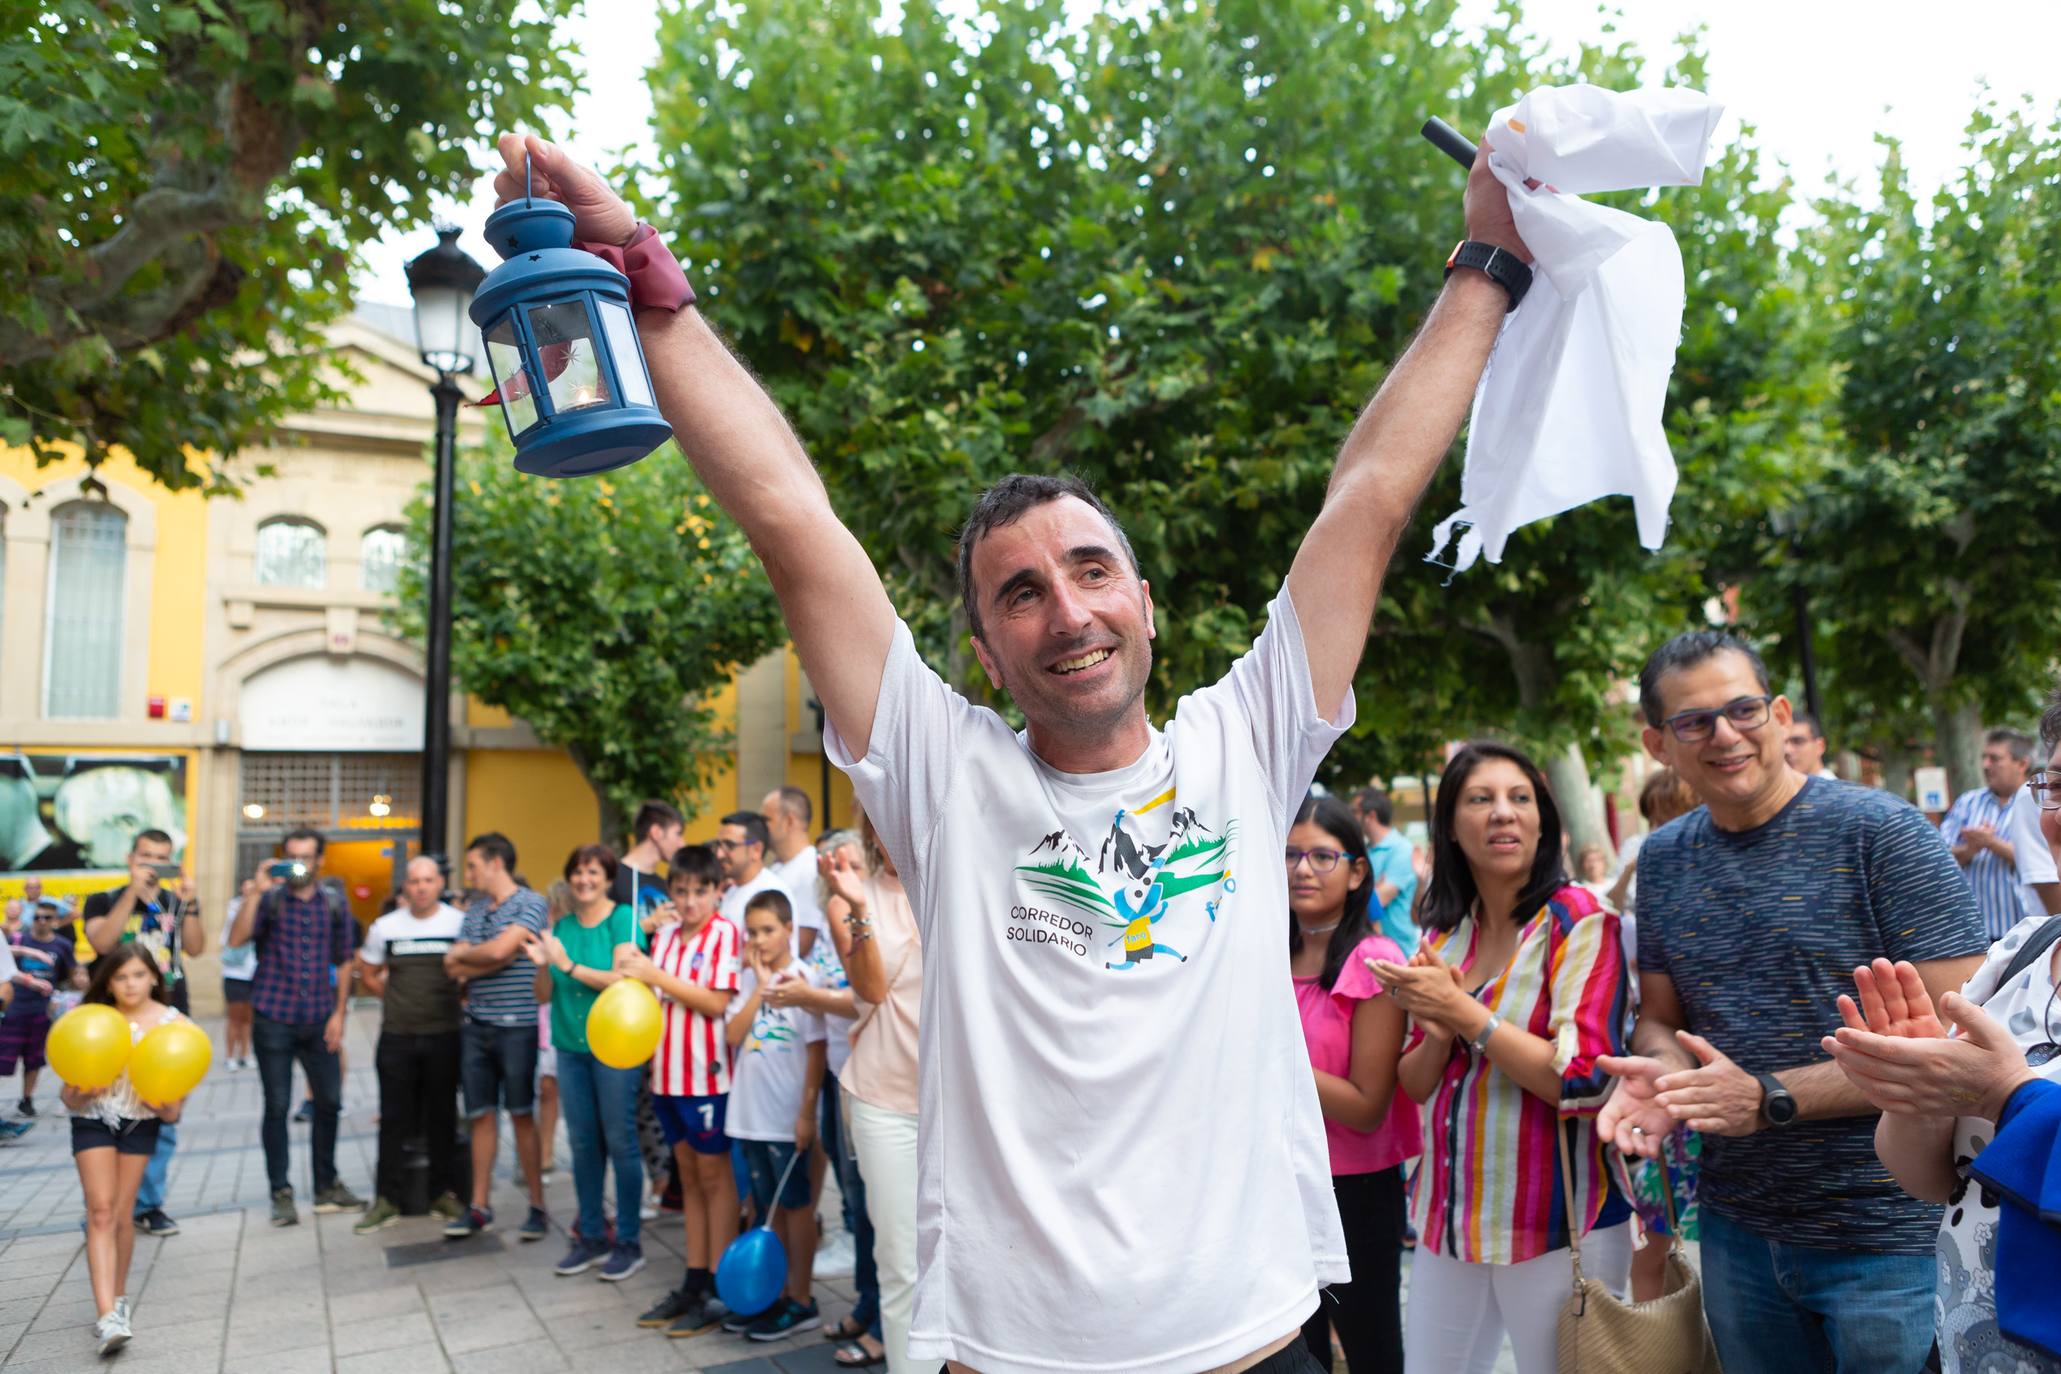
741	847
1977	829
1754	910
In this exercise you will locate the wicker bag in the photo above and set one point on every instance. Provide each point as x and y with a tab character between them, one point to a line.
1601	1335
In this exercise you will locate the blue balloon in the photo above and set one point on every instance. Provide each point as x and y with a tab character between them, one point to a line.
752	1272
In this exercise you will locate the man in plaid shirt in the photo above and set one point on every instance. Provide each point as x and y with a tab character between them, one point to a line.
304	938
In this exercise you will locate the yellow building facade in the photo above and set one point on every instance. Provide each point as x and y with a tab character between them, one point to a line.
223	669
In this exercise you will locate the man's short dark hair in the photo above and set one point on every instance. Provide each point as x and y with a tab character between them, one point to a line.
2017	741
1373	801
1004	504
154	836
774	900
1686	650
654	813
696	861
494	845
1809	722
754	827
796	804
298	833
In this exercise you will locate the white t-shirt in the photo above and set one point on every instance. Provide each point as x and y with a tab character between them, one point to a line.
1121	1164
772	1064
828	972
798	880
738	896
2034	856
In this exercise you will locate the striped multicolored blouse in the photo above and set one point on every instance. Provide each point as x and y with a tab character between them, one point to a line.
1488	1190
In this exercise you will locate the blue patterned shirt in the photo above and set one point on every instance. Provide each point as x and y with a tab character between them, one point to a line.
508	996
1995	882
300	941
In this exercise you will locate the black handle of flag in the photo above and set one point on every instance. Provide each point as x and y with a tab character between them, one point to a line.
1450	141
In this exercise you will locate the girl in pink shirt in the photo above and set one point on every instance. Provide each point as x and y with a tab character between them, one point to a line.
1355	1037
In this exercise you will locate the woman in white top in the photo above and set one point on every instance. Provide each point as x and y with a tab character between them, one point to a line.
885	966
114	1132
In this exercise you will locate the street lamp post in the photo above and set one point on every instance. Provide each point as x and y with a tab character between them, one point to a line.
442	282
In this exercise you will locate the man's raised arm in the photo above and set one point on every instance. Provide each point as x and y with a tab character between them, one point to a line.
1393	450
741	446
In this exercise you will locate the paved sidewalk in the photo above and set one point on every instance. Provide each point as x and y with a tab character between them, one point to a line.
231	1293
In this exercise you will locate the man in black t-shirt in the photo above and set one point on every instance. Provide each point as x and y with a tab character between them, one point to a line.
402	960
655	834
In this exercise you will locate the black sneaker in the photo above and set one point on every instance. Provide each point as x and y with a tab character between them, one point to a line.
706	1314
471	1223
306	1111
668	1309
784	1321
283	1213
737	1323
154	1222
535	1226
25	1108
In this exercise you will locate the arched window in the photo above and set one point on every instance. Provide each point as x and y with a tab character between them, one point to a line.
380	555
292	553
82	654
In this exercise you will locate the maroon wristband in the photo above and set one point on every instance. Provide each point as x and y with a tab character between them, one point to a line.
656	281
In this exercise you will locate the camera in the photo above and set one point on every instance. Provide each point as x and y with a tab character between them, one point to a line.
292	870
165	872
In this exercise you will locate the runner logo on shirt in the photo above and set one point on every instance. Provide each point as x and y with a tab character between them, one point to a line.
1128	888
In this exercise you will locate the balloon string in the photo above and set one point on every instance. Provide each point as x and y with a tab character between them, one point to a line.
781	1187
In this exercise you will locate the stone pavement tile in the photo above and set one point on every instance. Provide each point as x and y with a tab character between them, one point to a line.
648	1356
755	1365
413	1359
383	1333
9	1334
20	1310
819	1358
588	1307
243	1349
393	1300
32	1267
466	1274
485	1330
173	1284
446	1301
314	1359
25	1288
531	1357
64	1312
50	1345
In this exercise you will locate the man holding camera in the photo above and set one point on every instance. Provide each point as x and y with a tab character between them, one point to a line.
165	921
304	936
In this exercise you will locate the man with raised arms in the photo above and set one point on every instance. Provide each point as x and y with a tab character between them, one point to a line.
1122	1163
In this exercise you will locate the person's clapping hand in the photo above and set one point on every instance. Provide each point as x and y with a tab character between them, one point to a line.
788	990
1632	1117
1427	988
1716	1097
845	877
1895	1052
599	214
1892	1001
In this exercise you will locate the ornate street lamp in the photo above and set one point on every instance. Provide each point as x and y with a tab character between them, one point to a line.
442	282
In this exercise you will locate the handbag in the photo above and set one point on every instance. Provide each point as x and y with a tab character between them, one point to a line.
1599	1334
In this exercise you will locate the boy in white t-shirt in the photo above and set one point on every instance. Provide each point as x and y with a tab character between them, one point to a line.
693	966
780	1063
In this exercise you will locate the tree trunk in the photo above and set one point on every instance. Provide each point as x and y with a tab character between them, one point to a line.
1896	770
1958	735
615	825
1581	811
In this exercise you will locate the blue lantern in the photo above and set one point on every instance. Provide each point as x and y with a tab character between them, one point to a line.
568	371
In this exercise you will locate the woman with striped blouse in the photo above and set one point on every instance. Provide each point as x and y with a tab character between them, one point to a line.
1519	985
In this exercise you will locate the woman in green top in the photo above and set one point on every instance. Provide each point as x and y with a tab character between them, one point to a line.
575	961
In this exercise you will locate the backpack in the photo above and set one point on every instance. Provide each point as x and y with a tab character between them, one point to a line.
2037	944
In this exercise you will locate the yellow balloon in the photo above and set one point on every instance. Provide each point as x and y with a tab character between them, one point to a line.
624	1024
89	1045
169	1062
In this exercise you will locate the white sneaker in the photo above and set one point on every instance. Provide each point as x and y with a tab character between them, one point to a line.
649	1210
834	1257
112	1331
122	1309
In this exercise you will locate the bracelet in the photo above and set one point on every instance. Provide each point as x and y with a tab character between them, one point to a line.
1479	1044
860	937
656	279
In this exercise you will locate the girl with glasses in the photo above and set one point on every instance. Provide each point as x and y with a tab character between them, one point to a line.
1354	1034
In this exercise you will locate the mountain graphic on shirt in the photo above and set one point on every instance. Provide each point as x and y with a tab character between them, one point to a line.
1127	882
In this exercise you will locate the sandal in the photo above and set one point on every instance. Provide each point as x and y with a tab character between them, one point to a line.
845	1331
854	1356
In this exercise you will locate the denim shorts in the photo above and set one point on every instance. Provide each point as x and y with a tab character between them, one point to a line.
136	1137
696	1122
766	1160
497	1067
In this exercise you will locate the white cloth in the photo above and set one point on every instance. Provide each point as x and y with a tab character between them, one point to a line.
2029	848
1103	973
739	896
771	1071
829	973
1459	1311
798	877
1569	409
885	1143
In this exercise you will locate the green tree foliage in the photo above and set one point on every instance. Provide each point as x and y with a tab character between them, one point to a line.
605	612
183	185
1176	251
1927	535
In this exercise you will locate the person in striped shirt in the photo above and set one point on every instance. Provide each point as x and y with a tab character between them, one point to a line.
693	966
1516	992
1978	830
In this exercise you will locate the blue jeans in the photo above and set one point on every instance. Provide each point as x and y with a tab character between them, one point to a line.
1777	1308
152	1194
278	1044
600	1109
865	1274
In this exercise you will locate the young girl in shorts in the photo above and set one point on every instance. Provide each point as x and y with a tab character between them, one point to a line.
114	1132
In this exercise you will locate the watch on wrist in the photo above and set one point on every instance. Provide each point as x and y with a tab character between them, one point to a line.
1777	1103
1479	1044
1500	265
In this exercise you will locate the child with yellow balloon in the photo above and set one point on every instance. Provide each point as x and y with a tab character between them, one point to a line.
128	1061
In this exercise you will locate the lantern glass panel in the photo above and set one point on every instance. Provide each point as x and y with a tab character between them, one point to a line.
504	357
565	348
621	334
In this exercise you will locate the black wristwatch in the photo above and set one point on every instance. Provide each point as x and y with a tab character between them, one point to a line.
1503	267
1777	1103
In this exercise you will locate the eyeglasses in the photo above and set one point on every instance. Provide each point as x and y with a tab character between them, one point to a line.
1321	860
1745	713
2046	789
733	844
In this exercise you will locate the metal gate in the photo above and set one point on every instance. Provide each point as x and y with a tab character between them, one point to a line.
341	796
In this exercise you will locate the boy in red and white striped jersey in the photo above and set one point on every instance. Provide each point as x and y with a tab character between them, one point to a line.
693	967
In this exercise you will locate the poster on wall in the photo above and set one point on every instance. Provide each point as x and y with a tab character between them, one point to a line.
74	813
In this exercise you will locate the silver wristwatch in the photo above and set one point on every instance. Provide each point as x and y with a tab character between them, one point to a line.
1479	1044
